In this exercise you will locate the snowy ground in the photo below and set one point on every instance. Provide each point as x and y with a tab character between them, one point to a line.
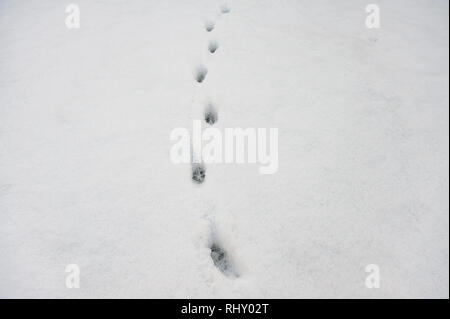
85	174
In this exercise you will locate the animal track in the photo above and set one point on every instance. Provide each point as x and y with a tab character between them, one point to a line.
225	8
218	255
222	261
213	46
211	114
209	26
198	173
200	74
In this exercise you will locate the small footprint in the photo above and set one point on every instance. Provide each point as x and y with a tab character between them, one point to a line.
219	255
210	114
200	73
213	46
225	8
198	173
222	261
209	25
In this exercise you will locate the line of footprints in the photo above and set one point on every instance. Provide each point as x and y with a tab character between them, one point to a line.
218	255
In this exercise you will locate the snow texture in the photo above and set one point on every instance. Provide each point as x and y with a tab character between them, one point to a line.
86	178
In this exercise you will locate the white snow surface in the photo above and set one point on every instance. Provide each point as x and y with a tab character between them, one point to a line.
86	178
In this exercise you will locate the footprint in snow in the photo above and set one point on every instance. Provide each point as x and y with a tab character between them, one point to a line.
213	46
200	73
198	173
210	114
209	25
225	8
222	261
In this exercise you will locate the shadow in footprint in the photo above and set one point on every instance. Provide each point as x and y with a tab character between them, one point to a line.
200	74
209	26
221	260
213	46
219	256
211	115
198	173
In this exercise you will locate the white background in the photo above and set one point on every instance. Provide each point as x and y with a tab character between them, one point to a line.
86	178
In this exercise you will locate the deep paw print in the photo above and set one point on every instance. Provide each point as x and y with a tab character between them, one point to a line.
222	261
198	173
211	115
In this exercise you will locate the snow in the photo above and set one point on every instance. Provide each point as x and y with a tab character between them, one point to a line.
86	178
